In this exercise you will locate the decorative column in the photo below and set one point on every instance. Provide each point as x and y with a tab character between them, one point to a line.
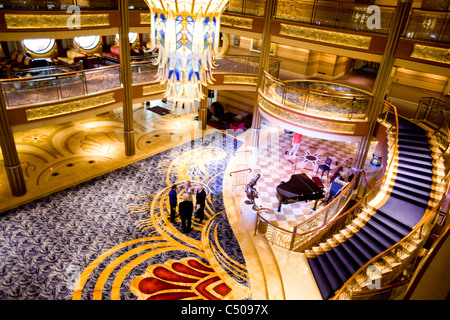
269	12
10	157
203	109
396	28
125	73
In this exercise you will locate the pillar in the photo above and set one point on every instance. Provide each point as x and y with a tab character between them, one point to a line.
269	12
203	109
10	157
396	28
125	73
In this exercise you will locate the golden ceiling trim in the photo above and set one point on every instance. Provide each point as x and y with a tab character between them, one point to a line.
238	22
246	80
48	21
69	107
154	89
428	53
304	121
338	38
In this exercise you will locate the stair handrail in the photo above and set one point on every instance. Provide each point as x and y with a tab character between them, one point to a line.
420	231
326	230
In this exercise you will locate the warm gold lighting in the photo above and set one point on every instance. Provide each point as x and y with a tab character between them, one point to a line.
185	32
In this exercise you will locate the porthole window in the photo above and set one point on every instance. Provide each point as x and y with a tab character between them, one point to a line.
39	46
132	36
87	42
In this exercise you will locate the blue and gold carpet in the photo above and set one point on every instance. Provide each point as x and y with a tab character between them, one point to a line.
110	237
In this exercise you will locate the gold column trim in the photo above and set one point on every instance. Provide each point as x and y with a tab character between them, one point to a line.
246	80
69	107
296	118
339	38
145	18
46	21
440	55
154	89
239	22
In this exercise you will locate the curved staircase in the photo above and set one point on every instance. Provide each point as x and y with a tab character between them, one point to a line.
378	228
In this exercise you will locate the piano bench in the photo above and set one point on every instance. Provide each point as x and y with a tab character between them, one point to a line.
318	181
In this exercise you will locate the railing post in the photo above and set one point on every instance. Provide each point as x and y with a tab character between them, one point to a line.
293	238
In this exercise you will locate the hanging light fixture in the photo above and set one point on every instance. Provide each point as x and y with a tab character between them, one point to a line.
185	32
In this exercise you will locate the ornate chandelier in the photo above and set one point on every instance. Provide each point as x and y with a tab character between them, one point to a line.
185	32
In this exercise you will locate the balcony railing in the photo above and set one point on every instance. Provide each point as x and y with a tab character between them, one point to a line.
55	87
331	218
428	25
317	98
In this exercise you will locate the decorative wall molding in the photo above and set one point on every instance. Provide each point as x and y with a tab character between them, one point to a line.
307	122
247	80
48	21
69	107
154	89
428	53
338	38
237	22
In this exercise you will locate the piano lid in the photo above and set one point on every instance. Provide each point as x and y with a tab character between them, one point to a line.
298	185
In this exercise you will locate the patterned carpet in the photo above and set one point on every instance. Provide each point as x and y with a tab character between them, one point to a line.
110	238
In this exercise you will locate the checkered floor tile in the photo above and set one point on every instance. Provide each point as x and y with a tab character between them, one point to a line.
274	166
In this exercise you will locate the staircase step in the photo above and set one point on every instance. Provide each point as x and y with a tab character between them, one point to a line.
416	174
413	153
409	181
409	174
330	271
346	259
417	149
357	256
405	141
413	190
416	169
370	241
421	163
341	269
413	199
363	251
321	278
376	236
386	227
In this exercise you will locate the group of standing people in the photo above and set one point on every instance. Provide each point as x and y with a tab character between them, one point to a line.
186	207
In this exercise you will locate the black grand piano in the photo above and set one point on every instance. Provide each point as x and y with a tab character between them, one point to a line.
299	188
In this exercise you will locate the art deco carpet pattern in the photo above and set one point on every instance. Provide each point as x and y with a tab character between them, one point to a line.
110	237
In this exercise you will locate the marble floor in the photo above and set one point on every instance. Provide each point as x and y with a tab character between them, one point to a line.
58	157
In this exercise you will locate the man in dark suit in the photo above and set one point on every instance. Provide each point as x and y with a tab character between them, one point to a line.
201	202
173	202
185	209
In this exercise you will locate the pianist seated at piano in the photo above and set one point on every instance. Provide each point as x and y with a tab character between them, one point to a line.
299	188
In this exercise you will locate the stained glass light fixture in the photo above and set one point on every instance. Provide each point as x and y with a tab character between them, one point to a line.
186	34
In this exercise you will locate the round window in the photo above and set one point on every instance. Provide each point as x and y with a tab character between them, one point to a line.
39	46
132	36
87	42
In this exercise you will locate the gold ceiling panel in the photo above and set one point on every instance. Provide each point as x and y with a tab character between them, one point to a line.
339	38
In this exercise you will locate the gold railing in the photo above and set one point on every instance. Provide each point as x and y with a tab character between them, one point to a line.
328	220
66	85
435	114
329	100
391	262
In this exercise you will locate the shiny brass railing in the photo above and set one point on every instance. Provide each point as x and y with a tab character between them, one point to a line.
327	101
66	85
330	219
